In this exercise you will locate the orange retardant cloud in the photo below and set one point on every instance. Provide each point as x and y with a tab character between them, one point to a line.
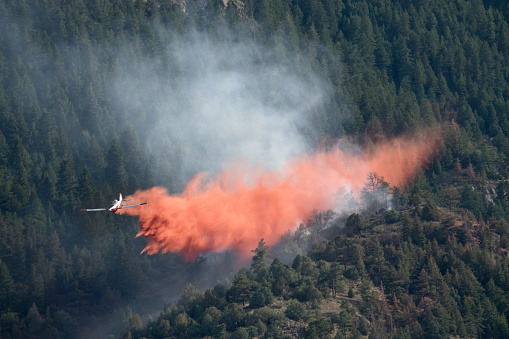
244	204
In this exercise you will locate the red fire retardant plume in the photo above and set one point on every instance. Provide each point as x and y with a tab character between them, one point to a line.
242	205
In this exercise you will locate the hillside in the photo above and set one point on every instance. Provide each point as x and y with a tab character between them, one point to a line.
108	96
415	271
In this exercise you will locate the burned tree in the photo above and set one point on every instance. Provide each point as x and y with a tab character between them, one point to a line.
377	193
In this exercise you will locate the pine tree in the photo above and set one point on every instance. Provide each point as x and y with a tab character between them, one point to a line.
6	288
66	186
241	290
20	163
115	172
258	263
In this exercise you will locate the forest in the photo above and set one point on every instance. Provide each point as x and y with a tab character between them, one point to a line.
106	96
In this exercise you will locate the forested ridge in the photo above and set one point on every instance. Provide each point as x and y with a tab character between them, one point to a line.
434	266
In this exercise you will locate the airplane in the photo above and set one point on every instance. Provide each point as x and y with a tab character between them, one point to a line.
117	204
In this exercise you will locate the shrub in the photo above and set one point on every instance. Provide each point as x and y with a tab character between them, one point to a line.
320	328
315	304
352	273
240	333
257	300
391	216
296	310
363	326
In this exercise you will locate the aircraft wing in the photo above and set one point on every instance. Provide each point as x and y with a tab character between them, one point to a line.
143	203
93	209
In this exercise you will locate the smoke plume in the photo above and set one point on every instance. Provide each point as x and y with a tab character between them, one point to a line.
205	103
245	203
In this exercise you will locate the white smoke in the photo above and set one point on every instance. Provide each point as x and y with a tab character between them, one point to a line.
205	103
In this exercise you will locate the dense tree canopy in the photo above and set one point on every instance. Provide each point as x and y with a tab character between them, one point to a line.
434	267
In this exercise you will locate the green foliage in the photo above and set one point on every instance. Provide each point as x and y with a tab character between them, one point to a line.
222	288
240	333
241	290
472	201
429	213
392	69
65	323
296	310
352	273
391	216
320	328
354	224
257	300
116	174
190	296
259	266
6	287
306	291
305	266
363	326
262	328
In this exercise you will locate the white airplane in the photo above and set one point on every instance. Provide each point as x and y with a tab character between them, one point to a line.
117	204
